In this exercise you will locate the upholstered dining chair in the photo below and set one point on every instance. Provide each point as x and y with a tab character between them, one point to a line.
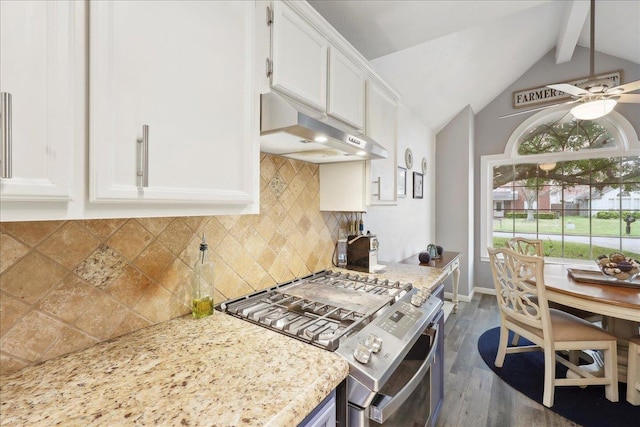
633	371
518	278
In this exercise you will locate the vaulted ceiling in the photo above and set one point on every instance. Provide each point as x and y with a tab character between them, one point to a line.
444	55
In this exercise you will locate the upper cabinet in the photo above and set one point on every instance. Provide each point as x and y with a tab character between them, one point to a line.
311	71
346	90
173	102
381	125
298	64
41	83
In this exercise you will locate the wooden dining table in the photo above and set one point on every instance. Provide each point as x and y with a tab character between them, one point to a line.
620	305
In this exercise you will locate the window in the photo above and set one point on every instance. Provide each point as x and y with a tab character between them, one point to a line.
574	184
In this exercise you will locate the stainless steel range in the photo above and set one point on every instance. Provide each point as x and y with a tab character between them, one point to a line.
390	333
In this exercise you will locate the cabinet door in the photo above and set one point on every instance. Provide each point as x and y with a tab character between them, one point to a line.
184	69
342	187
299	55
381	123
346	90
41	74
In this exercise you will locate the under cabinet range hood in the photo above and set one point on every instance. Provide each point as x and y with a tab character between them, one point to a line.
287	131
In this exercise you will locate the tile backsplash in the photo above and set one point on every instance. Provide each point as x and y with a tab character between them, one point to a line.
67	285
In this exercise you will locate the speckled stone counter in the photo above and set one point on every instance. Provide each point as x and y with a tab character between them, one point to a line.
420	277
216	371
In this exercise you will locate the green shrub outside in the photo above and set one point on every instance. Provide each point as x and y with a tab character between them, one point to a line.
539	215
616	215
553	248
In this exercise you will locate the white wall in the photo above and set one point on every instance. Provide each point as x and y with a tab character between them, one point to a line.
492	133
407	228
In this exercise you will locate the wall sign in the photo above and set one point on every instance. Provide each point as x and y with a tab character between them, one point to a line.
546	95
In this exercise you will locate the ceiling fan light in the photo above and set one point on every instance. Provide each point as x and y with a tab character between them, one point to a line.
593	109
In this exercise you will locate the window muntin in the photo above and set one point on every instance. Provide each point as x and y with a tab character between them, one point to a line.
621	141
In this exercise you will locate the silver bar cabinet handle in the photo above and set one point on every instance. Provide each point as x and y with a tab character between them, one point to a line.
143	168
379	182
7	136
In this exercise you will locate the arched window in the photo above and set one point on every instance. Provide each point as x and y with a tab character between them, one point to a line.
575	184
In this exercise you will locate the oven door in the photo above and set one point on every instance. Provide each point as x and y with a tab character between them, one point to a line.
413	394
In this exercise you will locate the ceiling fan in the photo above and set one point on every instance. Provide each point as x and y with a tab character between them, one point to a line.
596	97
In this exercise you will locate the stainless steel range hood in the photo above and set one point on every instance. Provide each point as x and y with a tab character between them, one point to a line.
287	131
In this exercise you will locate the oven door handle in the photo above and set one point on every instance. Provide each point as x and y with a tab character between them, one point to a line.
385	406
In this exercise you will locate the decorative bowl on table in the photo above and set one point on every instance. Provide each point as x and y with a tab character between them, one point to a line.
616	266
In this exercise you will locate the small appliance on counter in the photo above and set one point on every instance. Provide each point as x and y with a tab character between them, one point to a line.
362	253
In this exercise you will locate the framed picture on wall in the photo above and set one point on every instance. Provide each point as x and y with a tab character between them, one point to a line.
417	185
402	182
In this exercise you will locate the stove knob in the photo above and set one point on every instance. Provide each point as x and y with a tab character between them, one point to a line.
416	300
362	354
374	343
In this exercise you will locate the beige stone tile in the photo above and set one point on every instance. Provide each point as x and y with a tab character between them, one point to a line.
70	299
243	264
131	239
278	270
132	322
154	260
191	252
195	222
266	227
176	236
278	161
103	228
9	365
155	225
31	232
31	336
255	275
11	310
10	251
266	258
103	316
228	221
267	168
214	232
69	245
129	286
31	277
312	261
155	305
297	185
229	250
102	266
278	241
287	171
254	243
177	276
277	185
70	341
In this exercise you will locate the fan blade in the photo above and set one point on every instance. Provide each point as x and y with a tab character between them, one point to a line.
537	109
627	87
569	89
631	98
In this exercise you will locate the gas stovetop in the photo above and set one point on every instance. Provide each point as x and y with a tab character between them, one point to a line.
322	308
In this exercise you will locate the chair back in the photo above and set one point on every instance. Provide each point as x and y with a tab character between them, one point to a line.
520	290
525	246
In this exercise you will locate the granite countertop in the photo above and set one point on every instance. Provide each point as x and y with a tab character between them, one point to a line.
216	371
419	276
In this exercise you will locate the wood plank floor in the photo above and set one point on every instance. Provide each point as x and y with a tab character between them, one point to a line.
474	395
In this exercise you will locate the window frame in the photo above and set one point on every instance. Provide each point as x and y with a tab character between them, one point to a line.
627	145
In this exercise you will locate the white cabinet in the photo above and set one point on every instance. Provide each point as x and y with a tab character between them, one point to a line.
311	71
343	187
299	58
41	78
381	124
346	90
186	71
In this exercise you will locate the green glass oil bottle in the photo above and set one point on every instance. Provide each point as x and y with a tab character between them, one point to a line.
202	284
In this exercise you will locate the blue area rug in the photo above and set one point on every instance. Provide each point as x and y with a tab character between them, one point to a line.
587	407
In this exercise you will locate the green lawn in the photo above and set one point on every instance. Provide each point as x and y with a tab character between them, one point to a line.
582	226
